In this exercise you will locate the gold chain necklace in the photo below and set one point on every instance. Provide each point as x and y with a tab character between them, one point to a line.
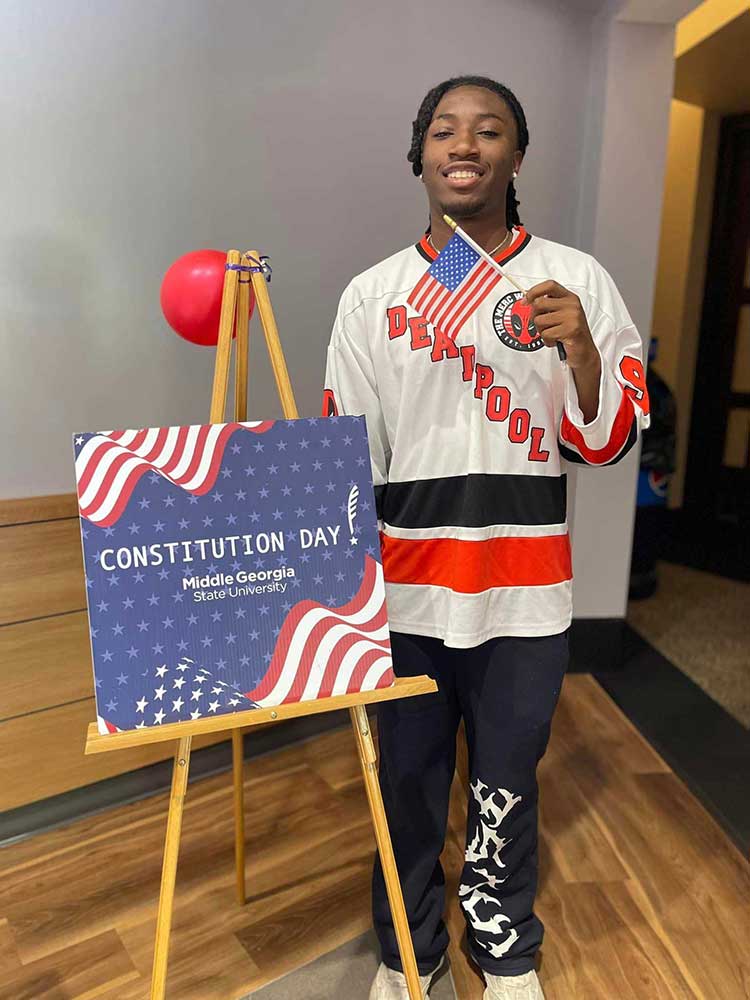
490	252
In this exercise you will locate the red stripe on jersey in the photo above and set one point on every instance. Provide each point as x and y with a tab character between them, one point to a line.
469	567
617	438
330	406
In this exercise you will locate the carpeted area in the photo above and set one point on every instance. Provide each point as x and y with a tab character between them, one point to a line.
698	621
343	974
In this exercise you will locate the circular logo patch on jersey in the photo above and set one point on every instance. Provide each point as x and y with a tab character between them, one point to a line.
514	325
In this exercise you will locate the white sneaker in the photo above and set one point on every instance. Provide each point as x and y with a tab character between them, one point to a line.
525	987
391	985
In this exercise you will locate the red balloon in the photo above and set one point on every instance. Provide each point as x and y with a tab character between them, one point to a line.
191	295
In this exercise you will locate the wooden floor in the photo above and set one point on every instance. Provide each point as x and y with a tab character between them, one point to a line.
642	894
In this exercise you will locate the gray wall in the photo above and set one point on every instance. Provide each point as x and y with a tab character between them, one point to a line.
135	131
619	222
140	130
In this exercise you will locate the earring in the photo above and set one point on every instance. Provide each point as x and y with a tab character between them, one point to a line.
515	174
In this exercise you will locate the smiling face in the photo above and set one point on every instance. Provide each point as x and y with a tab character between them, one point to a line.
469	155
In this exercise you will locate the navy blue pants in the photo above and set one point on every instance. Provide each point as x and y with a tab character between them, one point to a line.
506	691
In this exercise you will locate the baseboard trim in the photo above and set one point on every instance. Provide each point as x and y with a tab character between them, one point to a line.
702	743
596	644
59	810
32	510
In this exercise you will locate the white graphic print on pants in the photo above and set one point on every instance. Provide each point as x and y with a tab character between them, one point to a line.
485	846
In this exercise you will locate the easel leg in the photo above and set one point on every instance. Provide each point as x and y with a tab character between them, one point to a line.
241	358
275	352
239	813
240	413
368	759
169	869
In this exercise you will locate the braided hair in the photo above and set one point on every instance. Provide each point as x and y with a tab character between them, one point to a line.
427	110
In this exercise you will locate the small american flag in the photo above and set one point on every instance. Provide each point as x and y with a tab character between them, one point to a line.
455	284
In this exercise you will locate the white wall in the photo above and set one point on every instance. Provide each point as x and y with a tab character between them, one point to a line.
619	223
135	131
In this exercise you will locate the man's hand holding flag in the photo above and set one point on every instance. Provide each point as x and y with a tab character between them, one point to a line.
456	284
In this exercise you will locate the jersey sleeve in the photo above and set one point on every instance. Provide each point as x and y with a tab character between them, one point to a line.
351	389
623	398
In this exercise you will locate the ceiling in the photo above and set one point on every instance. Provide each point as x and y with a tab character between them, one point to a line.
643	11
656	11
716	73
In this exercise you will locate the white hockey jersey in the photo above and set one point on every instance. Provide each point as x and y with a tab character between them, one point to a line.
467	437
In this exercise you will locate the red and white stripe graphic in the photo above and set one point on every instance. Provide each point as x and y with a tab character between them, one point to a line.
105	727
321	652
110	464
621	428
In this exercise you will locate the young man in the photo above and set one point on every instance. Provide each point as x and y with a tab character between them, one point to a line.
466	435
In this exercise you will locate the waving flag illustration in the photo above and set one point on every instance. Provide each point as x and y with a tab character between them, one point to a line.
110	464
455	284
329	651
162	694
320	652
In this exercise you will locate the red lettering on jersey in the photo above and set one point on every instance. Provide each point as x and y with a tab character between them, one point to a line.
536	452
499	399
518	425
443	347
632	371
330	406
419	335
467	355
485	376
498	402
396	321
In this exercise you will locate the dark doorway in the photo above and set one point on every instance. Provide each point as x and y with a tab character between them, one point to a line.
715	523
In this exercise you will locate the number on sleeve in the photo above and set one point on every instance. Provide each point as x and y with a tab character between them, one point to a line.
632	371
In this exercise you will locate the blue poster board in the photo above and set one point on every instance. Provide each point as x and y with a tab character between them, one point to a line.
230	567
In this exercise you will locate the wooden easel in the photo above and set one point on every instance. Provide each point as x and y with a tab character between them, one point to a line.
235	302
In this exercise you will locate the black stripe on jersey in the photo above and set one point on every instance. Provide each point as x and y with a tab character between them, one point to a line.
474	501
524	243
522	246
573	456
379	498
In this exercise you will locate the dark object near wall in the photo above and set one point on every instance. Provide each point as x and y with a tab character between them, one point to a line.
657	466
716	508
596	644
